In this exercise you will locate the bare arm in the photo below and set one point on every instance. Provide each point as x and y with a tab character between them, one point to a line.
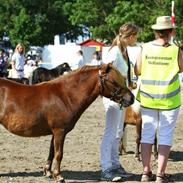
13	64
138	64
180	60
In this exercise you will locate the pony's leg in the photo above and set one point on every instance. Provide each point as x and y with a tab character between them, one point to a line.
138	138
47	168
59	137
122	143
124	139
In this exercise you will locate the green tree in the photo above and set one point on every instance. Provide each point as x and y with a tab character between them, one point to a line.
104	18
35	22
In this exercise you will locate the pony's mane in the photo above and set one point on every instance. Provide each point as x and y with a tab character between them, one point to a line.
86	68
82	69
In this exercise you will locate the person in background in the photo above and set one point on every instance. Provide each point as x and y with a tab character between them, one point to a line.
17	61
3	63
96	59
29	67
112	170
158	66
79	60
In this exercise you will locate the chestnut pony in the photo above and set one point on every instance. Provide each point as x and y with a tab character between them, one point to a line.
133	117
54	107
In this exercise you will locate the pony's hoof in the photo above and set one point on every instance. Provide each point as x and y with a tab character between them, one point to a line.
50	177
61	181
137	157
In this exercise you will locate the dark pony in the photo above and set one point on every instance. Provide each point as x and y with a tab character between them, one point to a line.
3	74
42	74
55	106
19	80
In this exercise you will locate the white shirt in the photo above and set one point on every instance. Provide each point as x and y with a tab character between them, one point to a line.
19	61
78	62
96	62
28	70
115	56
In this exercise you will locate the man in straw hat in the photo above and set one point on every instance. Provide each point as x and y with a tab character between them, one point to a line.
158	66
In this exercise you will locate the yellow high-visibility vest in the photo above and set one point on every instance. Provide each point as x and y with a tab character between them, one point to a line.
160	85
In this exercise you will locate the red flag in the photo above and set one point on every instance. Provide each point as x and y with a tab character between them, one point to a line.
173	14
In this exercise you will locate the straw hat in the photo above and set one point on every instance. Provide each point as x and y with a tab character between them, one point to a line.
162	23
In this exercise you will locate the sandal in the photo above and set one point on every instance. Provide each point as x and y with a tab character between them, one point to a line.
162	179
146	177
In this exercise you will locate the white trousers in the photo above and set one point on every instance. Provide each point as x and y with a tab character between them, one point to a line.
17	74
161	121
109	149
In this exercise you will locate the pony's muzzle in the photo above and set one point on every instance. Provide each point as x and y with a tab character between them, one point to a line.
127	99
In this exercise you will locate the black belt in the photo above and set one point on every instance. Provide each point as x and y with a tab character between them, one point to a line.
20	70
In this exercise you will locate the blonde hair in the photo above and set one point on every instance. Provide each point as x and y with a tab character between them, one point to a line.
17	47
125	31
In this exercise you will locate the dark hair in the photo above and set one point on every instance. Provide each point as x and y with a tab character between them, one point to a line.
2	50
97	55
163	33
81	52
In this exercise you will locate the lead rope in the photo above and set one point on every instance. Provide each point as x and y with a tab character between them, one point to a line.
129	69
100	82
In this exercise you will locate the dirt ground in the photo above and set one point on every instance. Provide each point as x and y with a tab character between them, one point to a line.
22	159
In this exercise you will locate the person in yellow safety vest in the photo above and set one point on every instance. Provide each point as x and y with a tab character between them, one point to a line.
158	66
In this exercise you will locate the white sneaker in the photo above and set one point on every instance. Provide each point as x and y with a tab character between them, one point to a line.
110	175
119	170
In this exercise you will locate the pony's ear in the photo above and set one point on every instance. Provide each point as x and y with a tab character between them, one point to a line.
106	67
109	66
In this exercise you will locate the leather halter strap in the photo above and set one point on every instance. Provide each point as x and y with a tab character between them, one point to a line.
102	79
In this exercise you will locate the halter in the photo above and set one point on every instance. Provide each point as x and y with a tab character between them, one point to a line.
102	79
